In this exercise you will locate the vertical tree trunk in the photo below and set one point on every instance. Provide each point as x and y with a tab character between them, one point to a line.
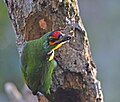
74	79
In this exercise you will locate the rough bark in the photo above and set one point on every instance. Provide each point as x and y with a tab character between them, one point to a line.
74	79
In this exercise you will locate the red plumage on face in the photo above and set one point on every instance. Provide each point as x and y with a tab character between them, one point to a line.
56	34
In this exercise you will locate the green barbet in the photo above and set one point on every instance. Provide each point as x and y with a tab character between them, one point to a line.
37	61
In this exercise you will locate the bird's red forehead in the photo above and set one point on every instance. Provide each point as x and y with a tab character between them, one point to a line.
56	34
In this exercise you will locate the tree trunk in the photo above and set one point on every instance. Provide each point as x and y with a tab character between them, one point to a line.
74	79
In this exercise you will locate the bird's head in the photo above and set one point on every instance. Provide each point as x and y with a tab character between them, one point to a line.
57	39
54	41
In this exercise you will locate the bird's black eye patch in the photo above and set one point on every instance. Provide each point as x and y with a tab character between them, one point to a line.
52	39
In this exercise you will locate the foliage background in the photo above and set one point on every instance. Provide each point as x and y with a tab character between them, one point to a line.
102	22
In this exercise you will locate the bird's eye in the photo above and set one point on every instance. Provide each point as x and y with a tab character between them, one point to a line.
52	39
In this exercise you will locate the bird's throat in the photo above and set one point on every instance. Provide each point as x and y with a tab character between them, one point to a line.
51	55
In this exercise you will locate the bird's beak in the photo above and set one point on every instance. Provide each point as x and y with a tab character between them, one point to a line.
64	38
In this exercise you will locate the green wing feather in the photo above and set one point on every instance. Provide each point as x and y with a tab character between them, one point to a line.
36	68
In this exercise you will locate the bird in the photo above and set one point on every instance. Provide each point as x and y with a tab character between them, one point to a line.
37	61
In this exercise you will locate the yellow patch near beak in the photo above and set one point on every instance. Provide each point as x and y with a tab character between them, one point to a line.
52	55
57	46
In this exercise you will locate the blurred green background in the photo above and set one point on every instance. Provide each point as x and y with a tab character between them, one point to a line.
102	22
